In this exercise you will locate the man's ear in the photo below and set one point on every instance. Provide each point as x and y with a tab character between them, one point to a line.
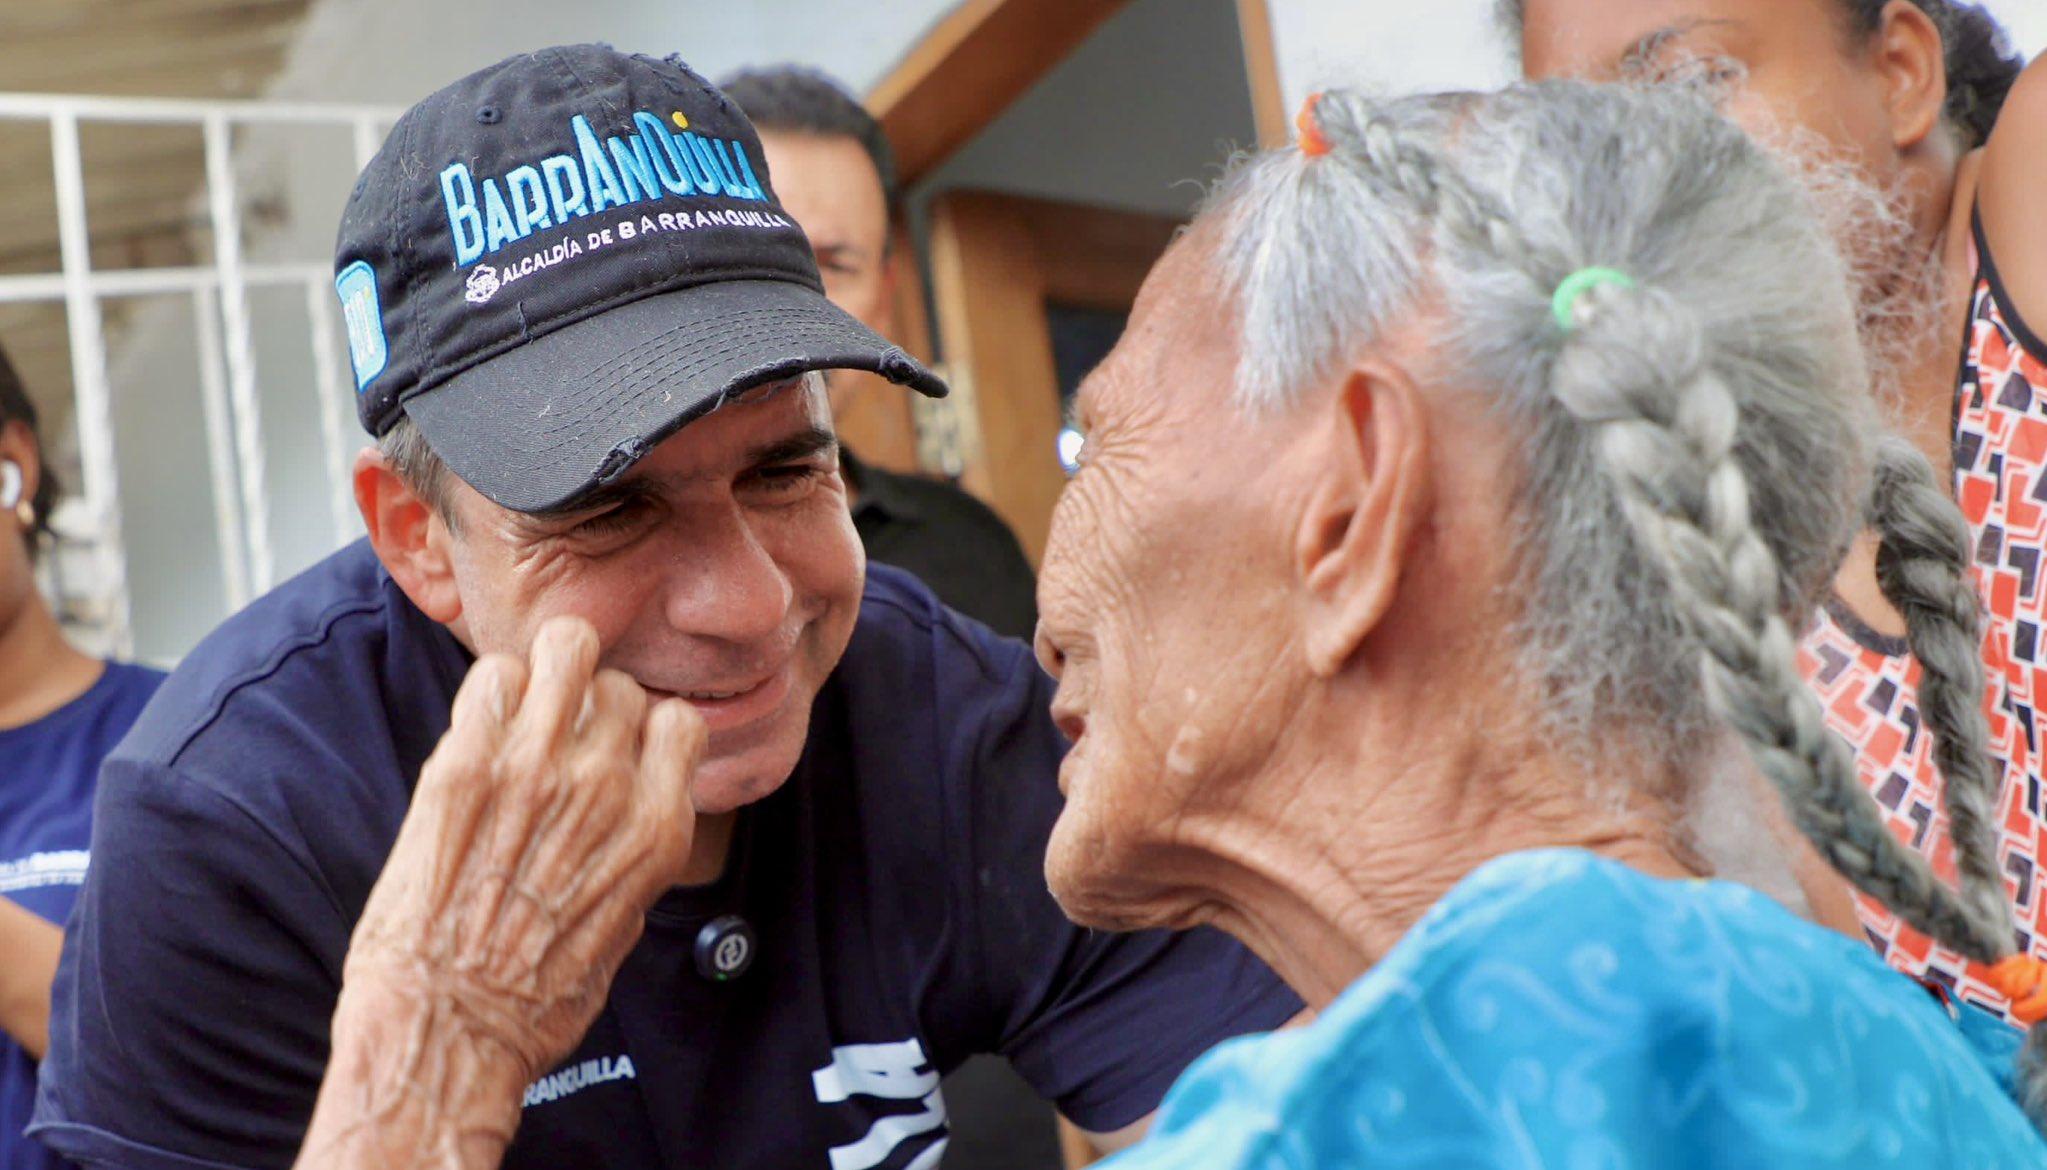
410	537
1912	60
1370	499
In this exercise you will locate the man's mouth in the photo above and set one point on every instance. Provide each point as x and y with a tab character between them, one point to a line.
712	696
736	703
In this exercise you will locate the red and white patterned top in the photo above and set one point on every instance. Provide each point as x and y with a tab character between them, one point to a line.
1870	684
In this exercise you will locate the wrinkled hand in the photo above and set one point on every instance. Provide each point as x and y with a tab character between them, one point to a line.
551	816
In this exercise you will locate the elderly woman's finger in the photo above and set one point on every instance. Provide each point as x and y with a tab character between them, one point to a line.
600	757
674	743
613	717
491	693
669	754
484	707
563	657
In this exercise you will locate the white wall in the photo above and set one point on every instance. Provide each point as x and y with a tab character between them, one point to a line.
1388	46
2026	20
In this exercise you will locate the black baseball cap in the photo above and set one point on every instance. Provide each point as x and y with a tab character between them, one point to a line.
556	262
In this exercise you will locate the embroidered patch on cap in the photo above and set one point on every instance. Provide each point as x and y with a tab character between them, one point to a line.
364	317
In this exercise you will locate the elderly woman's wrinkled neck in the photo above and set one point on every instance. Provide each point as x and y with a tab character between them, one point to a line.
1285	643
1412	764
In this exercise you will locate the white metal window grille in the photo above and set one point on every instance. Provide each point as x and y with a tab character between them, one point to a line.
220	293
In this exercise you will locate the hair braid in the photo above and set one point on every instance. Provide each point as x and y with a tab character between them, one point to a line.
1922	566
1686	497
1414	170
1667	430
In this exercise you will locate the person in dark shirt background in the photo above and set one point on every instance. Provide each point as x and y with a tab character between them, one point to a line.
61	711
836	175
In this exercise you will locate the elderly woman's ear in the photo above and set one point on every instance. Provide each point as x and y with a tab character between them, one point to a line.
1371	496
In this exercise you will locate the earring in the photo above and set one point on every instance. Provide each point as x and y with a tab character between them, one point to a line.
11	493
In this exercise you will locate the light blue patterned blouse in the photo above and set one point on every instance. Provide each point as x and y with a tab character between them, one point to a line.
1559	1010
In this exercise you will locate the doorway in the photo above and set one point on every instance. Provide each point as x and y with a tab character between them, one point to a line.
1029	295
1050	150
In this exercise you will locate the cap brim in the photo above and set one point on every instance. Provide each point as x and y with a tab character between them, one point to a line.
539	425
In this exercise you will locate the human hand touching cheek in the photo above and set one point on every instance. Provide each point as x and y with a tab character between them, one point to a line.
551	816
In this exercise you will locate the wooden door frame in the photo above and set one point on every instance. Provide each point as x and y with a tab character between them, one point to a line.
957	79
1261	71
997	260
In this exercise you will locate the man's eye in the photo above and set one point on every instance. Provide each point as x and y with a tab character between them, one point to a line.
787	480
614	519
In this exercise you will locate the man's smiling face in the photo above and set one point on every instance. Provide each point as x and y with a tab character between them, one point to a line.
723	568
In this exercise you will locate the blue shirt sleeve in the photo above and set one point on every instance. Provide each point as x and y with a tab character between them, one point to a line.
190	1012
1098	1023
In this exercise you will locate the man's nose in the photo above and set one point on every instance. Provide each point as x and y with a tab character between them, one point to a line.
725	584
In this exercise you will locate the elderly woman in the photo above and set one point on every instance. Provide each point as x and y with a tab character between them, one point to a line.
1424	613
1514	438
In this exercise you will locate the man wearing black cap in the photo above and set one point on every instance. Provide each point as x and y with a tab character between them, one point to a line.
587	339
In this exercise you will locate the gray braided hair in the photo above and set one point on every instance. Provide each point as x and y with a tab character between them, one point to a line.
1701	446
1922	566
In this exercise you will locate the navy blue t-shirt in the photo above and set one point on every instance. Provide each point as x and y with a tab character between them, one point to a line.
895	886
47	770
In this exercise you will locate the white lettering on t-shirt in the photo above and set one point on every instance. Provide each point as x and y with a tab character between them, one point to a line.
65	867
875	1070
573	1079
893	1072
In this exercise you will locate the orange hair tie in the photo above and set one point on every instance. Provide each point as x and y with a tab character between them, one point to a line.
1313	145
2023	980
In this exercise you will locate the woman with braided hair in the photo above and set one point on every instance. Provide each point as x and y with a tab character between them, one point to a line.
1508	510
1924	100
1423	612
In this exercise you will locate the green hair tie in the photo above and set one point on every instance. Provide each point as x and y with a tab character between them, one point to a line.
1565	303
